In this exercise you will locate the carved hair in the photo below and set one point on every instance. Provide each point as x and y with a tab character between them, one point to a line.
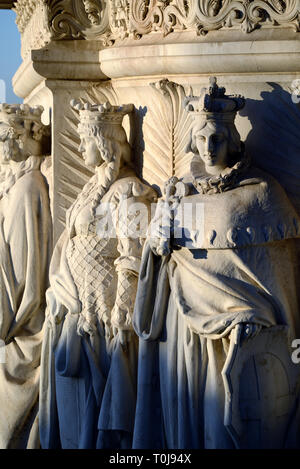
36	131
41	133
111	141
10	131
7	149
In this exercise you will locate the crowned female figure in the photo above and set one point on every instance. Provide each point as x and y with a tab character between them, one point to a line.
88	386
223	275
25	250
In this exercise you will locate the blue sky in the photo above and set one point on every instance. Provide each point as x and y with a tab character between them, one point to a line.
10	58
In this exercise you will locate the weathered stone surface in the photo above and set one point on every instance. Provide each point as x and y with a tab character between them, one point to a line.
93	278
25	246
213	299
158	55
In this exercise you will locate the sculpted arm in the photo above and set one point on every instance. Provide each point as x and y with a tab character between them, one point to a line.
131	228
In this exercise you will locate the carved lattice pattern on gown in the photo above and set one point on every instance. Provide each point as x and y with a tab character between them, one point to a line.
93	273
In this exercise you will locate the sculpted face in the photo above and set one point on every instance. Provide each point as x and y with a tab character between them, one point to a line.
90	151
212	145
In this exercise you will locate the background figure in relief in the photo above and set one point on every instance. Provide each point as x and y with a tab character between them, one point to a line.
25	250
88	386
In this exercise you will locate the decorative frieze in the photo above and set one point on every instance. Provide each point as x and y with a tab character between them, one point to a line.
42	20
207	15
32	22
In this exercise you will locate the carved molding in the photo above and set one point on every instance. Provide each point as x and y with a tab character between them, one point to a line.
166	16
108	21
32	22
40	21
77	19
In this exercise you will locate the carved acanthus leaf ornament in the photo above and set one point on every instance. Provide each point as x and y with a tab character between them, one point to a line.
113	20
207	15
64	19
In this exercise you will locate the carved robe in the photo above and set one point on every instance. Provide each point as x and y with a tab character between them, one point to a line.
188	303
88	384
25	250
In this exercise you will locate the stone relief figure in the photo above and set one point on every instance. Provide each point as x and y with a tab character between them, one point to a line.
93	11
89	358
121	14
25	250
218	273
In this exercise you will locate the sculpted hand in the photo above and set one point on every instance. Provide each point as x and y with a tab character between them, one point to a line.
160	230
160	247
124	335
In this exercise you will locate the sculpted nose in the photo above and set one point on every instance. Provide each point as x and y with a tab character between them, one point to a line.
209	145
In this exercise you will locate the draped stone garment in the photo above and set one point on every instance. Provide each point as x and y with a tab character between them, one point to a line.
188	302
25	251
88	382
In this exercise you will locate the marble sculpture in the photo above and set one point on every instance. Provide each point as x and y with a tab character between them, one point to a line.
25	250
89	354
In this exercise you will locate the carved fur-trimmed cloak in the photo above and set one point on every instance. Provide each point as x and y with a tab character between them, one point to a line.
187	304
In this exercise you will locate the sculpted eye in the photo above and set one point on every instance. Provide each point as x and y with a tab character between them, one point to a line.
201	138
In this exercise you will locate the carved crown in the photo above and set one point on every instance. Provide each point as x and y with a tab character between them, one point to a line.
97	114
10	113
214	104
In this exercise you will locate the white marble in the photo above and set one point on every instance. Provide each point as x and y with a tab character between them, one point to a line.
154	55
215	288
25	246
90	350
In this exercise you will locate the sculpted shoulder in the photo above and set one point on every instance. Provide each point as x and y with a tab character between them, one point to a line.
257	210
265	192
32	182
131	187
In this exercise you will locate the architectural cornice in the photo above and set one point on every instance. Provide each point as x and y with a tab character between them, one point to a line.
239	57
79	39
66	60
115	20
203	16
